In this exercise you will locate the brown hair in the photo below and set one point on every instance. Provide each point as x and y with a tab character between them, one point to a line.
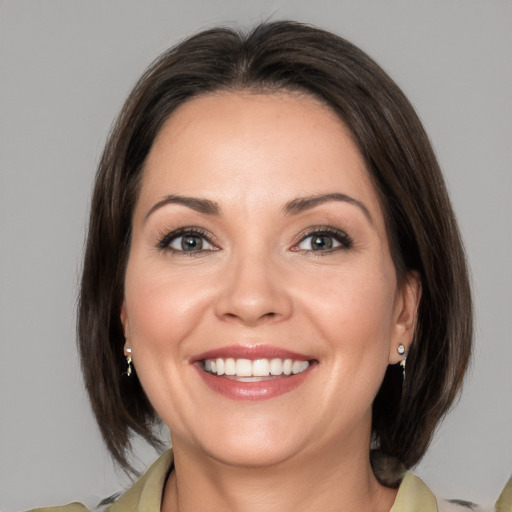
421	225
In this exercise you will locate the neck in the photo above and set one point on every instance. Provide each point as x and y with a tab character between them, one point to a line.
336	482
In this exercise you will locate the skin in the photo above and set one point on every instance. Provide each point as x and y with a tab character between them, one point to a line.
259	280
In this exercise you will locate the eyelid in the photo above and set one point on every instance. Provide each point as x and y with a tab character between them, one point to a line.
341	236
168	237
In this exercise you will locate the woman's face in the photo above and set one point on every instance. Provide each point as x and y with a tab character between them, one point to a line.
259	248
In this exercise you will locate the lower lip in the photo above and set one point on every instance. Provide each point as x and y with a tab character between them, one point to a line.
262	390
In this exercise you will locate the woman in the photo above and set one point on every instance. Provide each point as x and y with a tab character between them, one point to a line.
274	270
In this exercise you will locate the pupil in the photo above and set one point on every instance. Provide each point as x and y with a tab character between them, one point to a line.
190	243
321	242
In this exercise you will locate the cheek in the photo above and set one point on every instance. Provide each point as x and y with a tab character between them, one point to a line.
353	311
161	309
162	312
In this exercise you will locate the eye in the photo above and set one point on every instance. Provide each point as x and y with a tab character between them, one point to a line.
324	240
187	240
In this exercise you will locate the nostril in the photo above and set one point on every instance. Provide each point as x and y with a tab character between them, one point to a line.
251	319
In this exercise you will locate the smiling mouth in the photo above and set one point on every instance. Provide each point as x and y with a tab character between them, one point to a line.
247	370
253	373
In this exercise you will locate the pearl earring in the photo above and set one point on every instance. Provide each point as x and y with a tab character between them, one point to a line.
128	355
401	351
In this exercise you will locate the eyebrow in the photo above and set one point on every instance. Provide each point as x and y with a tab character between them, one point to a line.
293	207
300	204
199	205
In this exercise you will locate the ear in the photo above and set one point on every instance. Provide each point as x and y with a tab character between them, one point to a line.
126	327
405	315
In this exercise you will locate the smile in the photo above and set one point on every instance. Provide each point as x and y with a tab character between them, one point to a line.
243	369
253	373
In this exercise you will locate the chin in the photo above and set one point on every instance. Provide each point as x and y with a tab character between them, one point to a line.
248	442
254	454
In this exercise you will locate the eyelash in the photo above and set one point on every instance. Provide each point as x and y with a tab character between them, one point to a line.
338	235
165	242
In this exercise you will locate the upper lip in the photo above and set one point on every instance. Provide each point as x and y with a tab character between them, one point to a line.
251	352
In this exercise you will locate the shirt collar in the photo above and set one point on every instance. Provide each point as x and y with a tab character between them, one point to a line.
146	495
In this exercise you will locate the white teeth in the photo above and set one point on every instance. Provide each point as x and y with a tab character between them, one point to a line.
299	366
261	367
220	366
257	368
230	366
243	368
276	367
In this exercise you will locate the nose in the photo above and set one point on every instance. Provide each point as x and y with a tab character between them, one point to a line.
253	291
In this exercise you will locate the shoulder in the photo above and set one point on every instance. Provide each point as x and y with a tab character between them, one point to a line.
504	503
145	495
71	507
415	496
460	506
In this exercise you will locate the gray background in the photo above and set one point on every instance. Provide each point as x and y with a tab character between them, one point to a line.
66	67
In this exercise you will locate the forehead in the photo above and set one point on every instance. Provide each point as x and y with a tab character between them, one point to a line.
255	147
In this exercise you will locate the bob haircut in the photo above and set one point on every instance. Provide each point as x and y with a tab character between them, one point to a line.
422	231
